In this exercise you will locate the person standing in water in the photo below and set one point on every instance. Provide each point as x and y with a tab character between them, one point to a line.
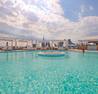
83	50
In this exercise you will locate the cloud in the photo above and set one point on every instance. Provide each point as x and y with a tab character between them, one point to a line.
31	15
30	18
85	9
89	25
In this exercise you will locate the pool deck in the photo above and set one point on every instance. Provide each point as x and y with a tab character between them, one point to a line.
73	50
77	50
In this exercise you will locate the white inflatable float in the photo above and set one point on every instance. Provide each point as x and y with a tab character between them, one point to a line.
52	54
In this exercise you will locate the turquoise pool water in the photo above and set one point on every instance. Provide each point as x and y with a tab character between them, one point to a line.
28	73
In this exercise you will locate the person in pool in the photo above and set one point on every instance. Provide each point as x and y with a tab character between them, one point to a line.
83	50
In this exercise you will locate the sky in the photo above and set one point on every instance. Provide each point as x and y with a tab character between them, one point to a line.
53	19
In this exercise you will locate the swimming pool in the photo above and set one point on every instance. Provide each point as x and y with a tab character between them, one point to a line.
27	73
